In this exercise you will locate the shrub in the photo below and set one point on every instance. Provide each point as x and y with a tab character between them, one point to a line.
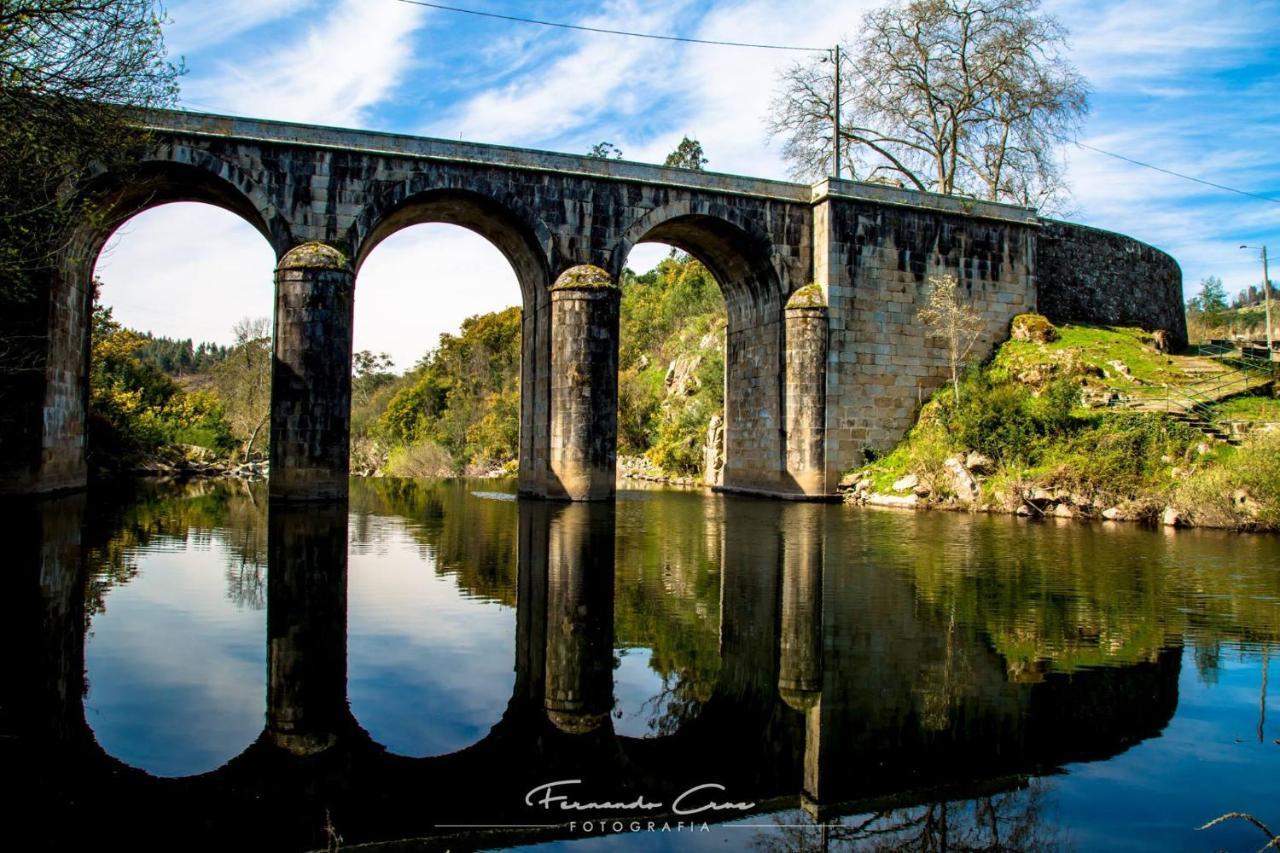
1241	490
996	420
423	459
1120	456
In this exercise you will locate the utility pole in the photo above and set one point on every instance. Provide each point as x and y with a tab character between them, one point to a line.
1266	294
835	136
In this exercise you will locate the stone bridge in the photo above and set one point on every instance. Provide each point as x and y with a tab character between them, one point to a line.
813	380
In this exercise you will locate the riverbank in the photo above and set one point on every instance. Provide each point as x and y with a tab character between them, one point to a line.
1088	422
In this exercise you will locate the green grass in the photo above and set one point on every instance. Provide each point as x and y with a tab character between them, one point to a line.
1253	408
1094	346
1023	410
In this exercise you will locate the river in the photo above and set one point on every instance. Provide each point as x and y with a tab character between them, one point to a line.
195	668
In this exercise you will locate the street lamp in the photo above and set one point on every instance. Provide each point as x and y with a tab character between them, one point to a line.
1266	292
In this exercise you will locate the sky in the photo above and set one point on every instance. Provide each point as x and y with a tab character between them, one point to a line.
1189	85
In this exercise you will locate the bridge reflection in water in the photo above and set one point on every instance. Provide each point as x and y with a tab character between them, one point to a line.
835	689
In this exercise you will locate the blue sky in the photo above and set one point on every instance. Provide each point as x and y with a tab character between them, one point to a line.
1190	86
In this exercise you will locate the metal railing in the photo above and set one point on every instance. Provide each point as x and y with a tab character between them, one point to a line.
1196	402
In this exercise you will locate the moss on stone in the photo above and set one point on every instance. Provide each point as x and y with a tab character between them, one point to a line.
809	296
584	277
314	256
1033	327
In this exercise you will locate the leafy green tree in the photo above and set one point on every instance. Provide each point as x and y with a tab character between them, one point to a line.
72	73
688	155
136	409
1212	297
605	151
370	372
464	396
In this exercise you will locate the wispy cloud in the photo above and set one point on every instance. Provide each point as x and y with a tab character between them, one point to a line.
591	79
332	72
197	25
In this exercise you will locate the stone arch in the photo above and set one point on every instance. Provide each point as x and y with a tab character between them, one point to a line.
740	256
522	238
737	252
525	241
185	175
51	413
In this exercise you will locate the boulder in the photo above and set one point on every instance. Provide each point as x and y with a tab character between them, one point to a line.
907	483
961	481
1171	517
1244	503
1035	328
979	464
1063	511
1041	497
1121	370
1099	397
1113	513
682	375
195	453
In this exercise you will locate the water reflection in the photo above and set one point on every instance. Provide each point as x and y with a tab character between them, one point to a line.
427	616
307	627
869	675
176	601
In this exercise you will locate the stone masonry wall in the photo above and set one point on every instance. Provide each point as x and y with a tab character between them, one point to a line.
1093	276
874	261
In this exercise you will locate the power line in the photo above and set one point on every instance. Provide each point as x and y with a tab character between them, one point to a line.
586	29
1179	174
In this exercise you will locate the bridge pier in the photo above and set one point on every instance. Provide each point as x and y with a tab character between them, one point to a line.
806	390
311	375
584	385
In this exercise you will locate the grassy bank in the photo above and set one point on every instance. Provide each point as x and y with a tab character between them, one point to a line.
1063	423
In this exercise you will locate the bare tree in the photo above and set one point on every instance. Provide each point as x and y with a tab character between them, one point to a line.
243	381
955	321
968	97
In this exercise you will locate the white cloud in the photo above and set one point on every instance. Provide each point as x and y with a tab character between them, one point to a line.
187	271
197	25
331	73
423	281
562	97
1136	40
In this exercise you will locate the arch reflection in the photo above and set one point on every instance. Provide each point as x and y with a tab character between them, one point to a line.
844	682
